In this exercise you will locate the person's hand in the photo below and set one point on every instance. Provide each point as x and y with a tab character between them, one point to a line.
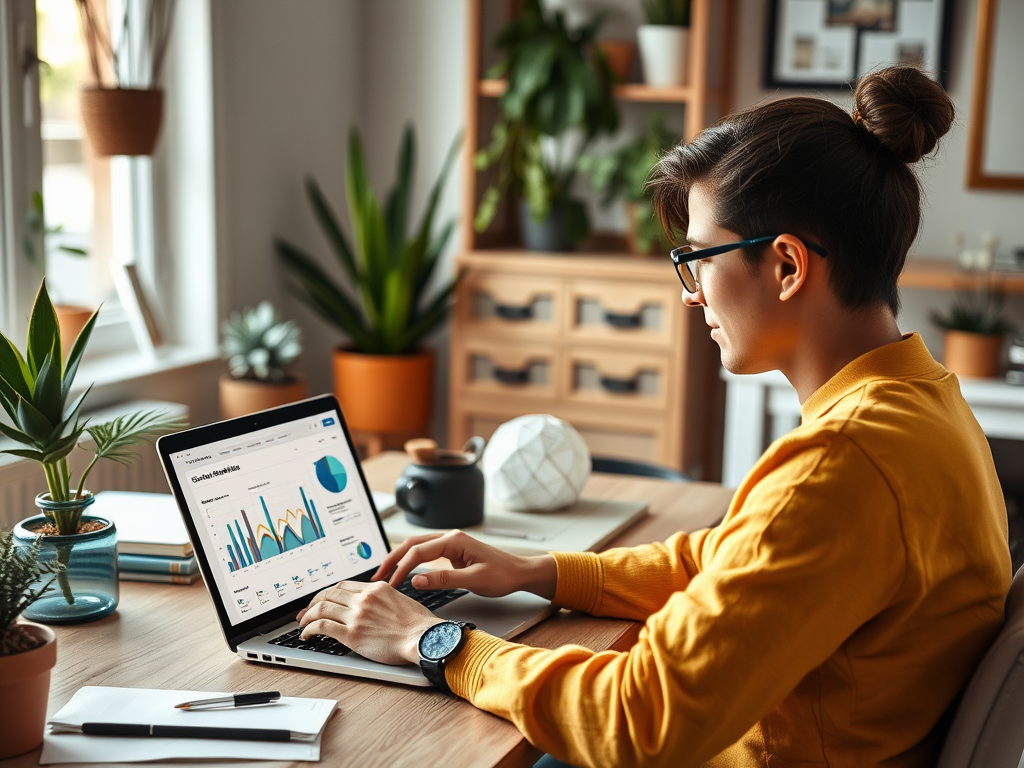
374	620
480	568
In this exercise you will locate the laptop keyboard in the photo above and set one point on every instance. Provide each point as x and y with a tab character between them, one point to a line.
432	599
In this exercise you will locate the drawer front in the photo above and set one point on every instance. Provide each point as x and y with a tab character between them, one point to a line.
639	442
507	304
617	379
502	369
630	313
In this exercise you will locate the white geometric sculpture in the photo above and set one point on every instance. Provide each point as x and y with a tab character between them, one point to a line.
535	463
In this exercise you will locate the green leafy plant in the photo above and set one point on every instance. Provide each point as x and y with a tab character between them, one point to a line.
622	174
34	392
20	569
670	13
257	345
978	309
388	267
557	81
36	229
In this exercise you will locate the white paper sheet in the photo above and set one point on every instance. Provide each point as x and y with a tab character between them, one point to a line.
156	707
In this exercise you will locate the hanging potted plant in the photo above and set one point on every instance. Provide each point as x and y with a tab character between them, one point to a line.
558	100
974	331
383	377
124	119
259	348
664	41
622	174
34	391
27	651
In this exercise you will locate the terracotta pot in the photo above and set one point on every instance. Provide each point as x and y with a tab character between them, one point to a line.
24	688
122	121
240	397
384	393
620	57
71	320
974	355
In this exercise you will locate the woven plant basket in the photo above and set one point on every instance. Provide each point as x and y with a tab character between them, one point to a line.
122	121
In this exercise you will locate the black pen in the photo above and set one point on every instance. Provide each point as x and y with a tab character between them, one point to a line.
233	700
182	732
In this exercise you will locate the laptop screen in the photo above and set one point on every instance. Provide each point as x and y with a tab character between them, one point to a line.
281	513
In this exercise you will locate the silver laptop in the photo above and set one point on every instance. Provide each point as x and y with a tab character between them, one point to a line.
277	508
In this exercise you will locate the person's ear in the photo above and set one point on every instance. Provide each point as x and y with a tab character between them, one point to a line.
791	263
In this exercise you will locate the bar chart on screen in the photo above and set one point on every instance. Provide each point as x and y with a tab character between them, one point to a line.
279	523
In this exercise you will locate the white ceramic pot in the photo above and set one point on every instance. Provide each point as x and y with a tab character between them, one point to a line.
663	51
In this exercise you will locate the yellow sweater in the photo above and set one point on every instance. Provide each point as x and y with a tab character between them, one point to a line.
830	619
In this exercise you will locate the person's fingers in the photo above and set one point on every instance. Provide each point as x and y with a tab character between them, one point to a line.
448	578
327	627
323	611
396	554
423	552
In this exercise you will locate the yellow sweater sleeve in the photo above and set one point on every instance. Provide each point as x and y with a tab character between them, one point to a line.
775	590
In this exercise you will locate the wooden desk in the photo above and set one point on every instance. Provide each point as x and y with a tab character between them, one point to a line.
164	636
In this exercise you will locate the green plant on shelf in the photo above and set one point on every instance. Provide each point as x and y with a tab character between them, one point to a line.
258	345
389	268
622	174
37	230
558	81
978	309
20	569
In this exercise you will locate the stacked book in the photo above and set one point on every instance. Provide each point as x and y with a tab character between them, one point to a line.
152	543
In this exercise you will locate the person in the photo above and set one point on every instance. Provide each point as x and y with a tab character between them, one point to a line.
861	570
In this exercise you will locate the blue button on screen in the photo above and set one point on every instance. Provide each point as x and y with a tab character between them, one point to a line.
328	422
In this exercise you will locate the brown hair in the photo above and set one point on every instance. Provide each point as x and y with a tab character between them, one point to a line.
802	165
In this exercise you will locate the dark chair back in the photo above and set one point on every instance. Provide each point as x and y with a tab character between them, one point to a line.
637	468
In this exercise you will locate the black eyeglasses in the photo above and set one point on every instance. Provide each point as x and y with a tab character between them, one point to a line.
687	260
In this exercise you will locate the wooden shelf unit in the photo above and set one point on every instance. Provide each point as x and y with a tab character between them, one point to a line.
946	275
598	337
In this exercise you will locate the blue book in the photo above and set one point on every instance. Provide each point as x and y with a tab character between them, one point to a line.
183	566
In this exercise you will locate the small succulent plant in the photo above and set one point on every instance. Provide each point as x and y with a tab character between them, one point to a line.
257	345
20	570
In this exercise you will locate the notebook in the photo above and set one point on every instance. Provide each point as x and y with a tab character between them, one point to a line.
147	523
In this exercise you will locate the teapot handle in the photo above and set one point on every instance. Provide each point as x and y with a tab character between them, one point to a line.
411	494
475	448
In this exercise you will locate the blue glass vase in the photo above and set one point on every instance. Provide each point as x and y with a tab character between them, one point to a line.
87	589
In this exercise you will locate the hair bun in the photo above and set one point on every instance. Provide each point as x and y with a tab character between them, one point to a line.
904	109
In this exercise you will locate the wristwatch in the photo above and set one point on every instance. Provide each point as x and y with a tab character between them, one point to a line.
439	644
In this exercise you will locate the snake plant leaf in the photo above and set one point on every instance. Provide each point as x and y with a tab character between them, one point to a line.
46	396
429	319
430	262
33	423
13	368
328	222
16	435
368	229
395	308
76	353
26	453
427	222
43	331
71	413
61	448
396	208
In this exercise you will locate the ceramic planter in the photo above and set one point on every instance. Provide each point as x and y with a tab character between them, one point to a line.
24	688
385	393
619	54
663	51
122	121
87	590
549	235
239	397
973	355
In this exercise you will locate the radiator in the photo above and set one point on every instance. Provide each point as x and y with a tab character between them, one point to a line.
22	480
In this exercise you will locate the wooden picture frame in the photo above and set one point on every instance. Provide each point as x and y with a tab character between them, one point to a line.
830	44
143	322
984	98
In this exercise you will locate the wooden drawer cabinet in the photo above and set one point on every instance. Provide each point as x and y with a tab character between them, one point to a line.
601	341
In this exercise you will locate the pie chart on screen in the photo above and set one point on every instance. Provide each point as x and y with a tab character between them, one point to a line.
331	474
364	550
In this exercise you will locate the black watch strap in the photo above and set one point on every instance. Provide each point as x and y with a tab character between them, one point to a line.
433	669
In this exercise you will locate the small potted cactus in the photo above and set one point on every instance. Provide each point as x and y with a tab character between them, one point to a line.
259	348
27	651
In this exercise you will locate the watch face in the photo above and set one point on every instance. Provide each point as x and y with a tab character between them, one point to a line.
440	640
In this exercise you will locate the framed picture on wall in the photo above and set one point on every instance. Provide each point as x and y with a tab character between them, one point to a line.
832	43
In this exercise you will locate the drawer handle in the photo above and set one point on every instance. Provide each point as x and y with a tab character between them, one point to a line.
513	312
620	386
512	375
621	320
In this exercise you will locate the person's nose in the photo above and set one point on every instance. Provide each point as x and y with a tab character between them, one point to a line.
695	299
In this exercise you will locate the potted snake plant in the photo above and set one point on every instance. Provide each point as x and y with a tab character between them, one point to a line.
259	348
35	393
27	651
383	376
974	330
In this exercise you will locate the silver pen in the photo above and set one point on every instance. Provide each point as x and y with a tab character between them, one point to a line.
509	533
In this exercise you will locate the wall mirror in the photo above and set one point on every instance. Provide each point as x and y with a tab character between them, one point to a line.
995	152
